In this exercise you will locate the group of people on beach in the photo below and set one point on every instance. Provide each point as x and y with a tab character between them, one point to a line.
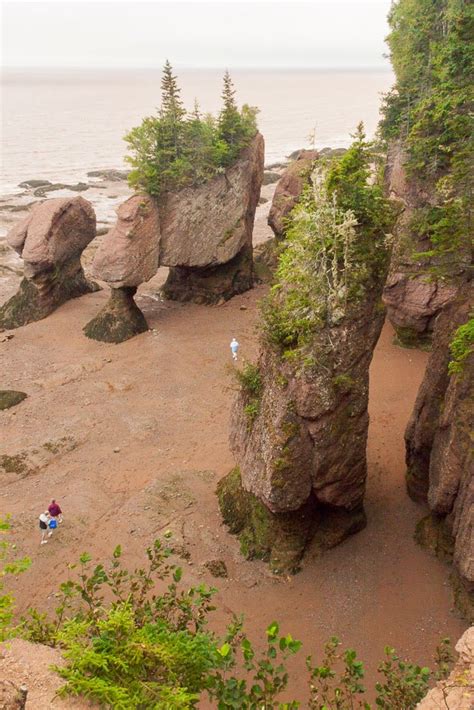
49	521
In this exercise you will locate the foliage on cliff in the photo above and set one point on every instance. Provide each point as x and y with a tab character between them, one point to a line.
335	248
430	111
136	639
461	346
175	149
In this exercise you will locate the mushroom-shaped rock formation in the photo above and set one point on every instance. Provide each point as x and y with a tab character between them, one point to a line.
289	189
206	232
50	241
421	282
203	233
440	467
127	257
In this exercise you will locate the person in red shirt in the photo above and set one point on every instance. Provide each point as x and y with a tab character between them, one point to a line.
55	511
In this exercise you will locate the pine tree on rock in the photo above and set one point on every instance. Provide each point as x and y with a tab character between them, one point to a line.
229	119
172	110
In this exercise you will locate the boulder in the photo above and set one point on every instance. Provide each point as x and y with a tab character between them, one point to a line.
270	176
50	241
10	398
210	224
129	253
420	282
289	190
440	468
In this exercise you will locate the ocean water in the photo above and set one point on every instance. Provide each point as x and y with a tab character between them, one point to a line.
59	124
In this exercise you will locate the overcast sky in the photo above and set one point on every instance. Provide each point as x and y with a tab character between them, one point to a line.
225	33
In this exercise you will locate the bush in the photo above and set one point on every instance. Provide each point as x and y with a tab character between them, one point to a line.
176	149
335	248
147	646
461	346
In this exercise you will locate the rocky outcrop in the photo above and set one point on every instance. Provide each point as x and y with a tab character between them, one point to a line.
289	190
50	241
440	468
298	434
206	232
457	691
420	283
203	233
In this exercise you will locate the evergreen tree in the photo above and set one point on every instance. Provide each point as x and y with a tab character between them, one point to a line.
229	118
172	112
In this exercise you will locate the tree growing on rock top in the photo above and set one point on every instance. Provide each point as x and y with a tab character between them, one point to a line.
175	149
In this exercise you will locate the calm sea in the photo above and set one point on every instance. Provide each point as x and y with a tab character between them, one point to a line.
59	124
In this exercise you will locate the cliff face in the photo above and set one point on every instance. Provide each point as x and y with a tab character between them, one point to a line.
440	468
420	283
203	233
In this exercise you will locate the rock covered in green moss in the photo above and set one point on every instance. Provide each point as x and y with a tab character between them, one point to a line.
119	320
10	398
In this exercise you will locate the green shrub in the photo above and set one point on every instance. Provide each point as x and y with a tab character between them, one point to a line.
461	346
175	149
335	249
8	566
250	379
138	639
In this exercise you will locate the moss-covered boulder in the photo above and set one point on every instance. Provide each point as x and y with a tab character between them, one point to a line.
10	398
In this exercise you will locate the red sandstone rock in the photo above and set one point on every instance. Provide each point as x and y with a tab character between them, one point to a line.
129	252
54	232
289	190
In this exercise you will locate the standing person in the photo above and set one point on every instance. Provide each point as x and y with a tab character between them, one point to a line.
43	526
234	347
55	511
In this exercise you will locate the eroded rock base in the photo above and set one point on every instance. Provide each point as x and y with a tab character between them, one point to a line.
119	320
213	283
281	538
435	533
39	296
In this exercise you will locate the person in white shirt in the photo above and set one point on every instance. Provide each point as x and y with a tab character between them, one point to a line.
234	347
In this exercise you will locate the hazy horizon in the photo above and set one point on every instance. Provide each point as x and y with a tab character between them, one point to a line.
267	34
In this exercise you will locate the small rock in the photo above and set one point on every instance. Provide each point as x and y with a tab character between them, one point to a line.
243	308
116	450
217	568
